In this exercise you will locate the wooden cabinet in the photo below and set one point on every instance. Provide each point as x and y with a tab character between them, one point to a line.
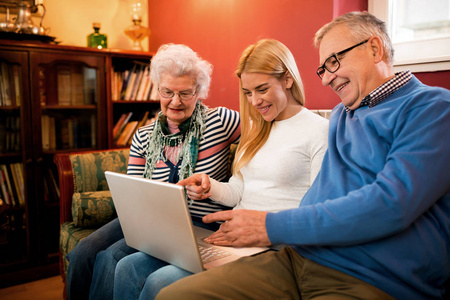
52	99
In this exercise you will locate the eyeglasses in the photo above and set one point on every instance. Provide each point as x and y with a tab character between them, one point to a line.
332	63
183	95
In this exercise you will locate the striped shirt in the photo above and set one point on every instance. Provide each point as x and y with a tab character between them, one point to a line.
222	130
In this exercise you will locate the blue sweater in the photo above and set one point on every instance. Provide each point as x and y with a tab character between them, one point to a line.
379	209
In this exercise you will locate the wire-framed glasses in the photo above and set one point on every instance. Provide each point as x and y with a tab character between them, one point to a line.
332	63
183	95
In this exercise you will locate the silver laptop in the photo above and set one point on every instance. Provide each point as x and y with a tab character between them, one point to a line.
155	219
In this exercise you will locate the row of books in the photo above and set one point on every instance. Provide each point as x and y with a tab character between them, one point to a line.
75	85
9	134
126	126
59	132
10	88
133	84
12	185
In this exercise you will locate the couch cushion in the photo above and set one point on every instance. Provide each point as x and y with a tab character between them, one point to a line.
89	168
92	209
70	236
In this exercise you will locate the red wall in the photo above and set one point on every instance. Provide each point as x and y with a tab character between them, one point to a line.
441	78
219	30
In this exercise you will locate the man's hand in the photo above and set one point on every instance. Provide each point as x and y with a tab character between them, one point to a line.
197	186
242	228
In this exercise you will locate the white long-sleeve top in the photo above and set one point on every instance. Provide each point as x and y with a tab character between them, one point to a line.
284	168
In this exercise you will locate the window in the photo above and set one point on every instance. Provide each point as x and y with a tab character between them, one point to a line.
420	32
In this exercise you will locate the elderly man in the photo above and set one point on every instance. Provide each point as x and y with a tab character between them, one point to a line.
375	224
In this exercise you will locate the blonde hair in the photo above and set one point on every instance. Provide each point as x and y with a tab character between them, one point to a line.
271	57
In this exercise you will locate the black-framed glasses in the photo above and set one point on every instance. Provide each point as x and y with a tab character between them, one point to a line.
183	95
332	63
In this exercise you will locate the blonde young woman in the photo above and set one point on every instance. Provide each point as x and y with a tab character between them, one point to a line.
279	155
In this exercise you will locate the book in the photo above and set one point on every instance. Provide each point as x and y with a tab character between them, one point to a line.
13	185
18	169
4	189
119	123
125	79
130	84
148	90
143	119
77	85
114	78
140	123
12	88
90	85
8	180
154	94
64	84
45	126
127	133
67	136
137	84
5	86
122	126
144	83
17	74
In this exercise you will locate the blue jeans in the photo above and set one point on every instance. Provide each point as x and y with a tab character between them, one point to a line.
160	279
141	276
102	285
83	256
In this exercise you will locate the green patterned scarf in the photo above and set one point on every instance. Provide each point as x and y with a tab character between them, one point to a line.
191	132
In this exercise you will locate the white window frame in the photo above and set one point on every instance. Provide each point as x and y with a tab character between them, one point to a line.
417	56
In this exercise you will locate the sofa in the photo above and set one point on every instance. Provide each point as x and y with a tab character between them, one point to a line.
85	200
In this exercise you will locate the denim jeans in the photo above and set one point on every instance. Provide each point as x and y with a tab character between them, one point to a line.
160	279
102	286
82	258
141	276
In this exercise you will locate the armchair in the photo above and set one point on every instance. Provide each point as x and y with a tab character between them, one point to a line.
85	200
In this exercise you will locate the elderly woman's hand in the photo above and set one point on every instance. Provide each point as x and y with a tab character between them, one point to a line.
197	186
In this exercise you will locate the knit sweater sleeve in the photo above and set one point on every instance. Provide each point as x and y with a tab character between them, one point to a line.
412	177
227	193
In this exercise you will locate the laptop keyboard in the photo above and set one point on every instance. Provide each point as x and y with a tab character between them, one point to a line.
210	253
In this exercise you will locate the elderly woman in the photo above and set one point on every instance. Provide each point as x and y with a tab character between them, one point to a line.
186	138
279	155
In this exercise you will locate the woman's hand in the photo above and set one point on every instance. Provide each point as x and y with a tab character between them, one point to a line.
197	186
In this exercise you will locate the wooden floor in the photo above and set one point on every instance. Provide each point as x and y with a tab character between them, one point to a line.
45	289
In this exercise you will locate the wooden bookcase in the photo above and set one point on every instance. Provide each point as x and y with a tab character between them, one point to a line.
128	78
52	99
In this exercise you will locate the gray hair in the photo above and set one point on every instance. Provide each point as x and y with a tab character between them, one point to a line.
180	60
362	26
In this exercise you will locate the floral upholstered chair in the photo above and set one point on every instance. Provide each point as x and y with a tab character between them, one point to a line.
85	200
